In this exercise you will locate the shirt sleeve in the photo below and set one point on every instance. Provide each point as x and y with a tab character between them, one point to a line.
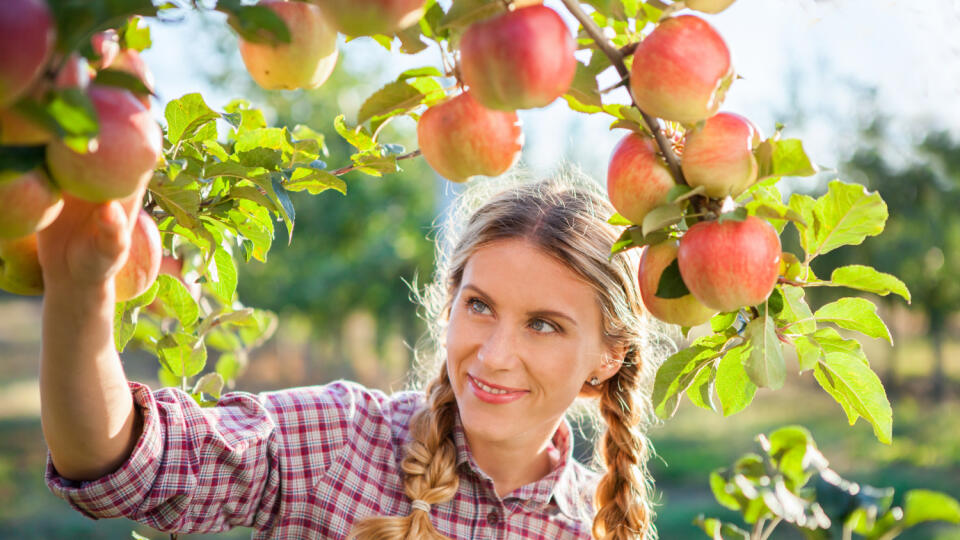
245	462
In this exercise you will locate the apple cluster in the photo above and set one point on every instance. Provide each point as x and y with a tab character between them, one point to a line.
116	164
680	73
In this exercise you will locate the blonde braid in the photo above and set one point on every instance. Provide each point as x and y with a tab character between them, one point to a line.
429	468
622	496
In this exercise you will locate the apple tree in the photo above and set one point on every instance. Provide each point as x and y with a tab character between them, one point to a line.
695	187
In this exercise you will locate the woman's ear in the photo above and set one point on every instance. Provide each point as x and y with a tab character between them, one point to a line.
610	364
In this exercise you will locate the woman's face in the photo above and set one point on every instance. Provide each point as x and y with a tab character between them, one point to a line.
527	326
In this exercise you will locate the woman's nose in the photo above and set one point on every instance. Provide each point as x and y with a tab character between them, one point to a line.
499	350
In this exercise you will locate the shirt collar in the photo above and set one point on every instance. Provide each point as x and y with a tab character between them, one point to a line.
564	484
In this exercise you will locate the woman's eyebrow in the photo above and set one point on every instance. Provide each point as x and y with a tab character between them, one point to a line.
538	313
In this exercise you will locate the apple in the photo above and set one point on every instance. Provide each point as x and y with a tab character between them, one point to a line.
709	6
306	62
370	17
684	311
460	138
638	180
732	264
28	203
681	70
143	260
518	60
718	155
27	37
20	271
19	130
106	45
127	149
130	61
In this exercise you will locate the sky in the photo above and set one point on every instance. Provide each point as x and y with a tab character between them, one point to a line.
795	58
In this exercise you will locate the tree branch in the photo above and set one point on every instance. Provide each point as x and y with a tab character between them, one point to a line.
345	170
616	58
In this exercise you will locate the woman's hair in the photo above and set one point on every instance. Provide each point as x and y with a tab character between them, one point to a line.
565	216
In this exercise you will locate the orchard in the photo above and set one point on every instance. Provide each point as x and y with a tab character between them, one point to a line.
696	186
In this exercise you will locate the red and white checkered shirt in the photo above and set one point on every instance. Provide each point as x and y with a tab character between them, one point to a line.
308	462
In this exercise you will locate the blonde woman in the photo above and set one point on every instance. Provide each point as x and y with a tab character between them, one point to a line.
529	318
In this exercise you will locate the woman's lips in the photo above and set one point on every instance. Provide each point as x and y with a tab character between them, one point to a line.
492	398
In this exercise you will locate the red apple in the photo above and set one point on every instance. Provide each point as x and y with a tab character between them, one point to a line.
370	17
732	264
27	37
306	62
709	6
126	153
20	271
460	138
28	203
106	45
143	260
130	61
681	71
518	60
637	178
718	155
684	311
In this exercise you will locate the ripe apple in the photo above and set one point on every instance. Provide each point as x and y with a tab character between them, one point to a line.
732	264
369	17
637	178
106	45
27	37
681	71
28	202
306	62
709	6
19	130
460	138
20	271
143	260
126	153
130	61
718	155
684	311
518	60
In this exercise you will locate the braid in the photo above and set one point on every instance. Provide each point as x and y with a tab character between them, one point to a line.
622	496
429	469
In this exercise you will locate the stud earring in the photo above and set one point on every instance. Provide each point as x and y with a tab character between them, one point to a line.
594	381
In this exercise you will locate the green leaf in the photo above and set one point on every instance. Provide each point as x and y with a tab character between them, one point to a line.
676	375
229	365
765	364
223	276
734	387
921	505
795	311
257	24
700	391
72	112
671	284
175	296
126	315
357	137
803	205
720	530
584	94
661	217
180	198
722	321
783	158
615	219
184	355
121	79
315	182
211	383
134	36
398	97
808	352
856	314
858	390
185	117
463	13
865	278
20	159
410	42
846	215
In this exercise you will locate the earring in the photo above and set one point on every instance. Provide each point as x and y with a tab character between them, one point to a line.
594	381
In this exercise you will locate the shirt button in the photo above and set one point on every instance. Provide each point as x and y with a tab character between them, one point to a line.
493	518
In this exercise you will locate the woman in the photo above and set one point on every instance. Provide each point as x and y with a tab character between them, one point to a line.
526	315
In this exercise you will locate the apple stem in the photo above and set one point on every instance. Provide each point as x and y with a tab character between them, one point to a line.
616	58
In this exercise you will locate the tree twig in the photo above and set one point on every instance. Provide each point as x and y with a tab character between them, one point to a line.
345	170
616	58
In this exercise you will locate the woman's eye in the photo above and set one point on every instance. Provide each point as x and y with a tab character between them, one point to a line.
542	326
471	303
545	325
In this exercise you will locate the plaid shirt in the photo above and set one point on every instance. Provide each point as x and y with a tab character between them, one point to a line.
307	463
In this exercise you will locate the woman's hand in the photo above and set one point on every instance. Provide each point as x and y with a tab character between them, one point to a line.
88	242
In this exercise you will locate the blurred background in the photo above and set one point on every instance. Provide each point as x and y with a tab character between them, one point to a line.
871	86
